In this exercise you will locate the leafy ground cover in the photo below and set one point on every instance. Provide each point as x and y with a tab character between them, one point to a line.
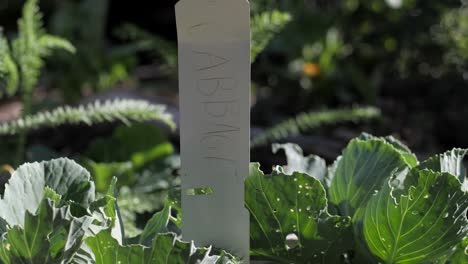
51	214
376	203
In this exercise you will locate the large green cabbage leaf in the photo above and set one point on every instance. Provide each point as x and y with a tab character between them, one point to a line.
450	162
362	171
420	223
384	167
51	235
460	255
48	209
289	219
25	190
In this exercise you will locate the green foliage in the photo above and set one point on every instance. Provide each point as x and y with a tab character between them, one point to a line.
145	41
325	55
451	162
461	253
29	50
165	248
420	223
401	212
140	144
133	204
56	218
452	33
360	48
290	221
97	66
49	208
312	120
143	161
405	152
125	111
26	188
350	187
8	69
51	235
156	225
264	27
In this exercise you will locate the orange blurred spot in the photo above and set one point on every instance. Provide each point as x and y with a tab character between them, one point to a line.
8	168
311	69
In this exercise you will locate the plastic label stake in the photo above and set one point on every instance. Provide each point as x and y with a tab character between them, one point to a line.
214	88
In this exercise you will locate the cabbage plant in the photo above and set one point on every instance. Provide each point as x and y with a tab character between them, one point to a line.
375	204
49	213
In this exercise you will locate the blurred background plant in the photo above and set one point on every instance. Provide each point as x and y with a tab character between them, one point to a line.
322	72
345	51
96	67
407	57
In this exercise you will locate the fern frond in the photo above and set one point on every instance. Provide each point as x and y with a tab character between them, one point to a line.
31	25
125	111
4	51
264	27
48	43
26	51
8	71
313	120
12	77
32	45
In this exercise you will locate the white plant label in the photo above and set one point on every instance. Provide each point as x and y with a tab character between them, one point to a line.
214	87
